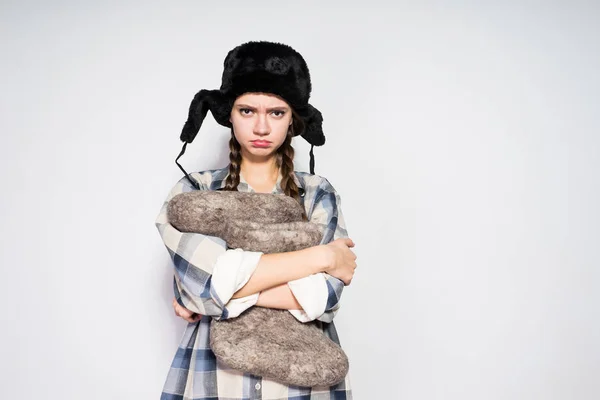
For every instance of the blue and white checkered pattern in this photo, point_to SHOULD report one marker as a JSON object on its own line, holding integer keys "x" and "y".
{"x": 195, "y": 374}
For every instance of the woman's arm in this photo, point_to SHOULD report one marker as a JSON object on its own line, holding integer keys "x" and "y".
{"x": 313, "y": 288}
{"x": 280, "y": 297}
{"x": 279, "y": 268}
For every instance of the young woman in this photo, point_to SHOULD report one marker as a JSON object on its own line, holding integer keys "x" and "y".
{"x": 264, "y": 100}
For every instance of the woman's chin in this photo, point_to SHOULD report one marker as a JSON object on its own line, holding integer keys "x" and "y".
{"x": 260, "y": 152}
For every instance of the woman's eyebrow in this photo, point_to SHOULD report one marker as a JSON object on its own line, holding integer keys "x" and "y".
{"x": 268, "y": 109}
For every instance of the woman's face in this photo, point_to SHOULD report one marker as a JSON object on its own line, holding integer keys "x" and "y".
{"x": 260, "y": 123}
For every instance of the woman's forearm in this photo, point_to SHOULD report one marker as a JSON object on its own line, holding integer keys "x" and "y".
{"x": 278, "y": 268}
{"x": 280, "y": 297}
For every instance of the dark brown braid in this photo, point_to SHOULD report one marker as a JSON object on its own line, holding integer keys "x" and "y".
{"x": 284, "y": 161}
{"x": 235, "y": 164}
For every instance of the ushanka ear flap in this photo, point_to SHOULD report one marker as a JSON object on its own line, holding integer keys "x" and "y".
{"x": 313, "y": 131}
{"x": 203, "y": 101}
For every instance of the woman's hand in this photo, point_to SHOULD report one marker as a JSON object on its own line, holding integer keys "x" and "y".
{"x": 342, "y": 260}
{"x": 185, "y": 313}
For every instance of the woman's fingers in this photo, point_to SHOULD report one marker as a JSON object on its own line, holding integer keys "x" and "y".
{"x": 181, "y": 311}
{"x": 184, "y": 313}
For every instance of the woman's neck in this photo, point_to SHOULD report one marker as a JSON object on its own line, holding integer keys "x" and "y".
{"x": 260, "y": 175}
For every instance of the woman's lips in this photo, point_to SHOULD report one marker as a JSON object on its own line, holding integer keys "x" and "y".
{"x": 261, "y": 143}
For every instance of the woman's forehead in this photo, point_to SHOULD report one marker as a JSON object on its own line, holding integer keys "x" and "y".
{"x": 261, "y": 99}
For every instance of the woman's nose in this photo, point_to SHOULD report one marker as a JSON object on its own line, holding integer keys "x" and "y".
{"x": 262, "y": 125}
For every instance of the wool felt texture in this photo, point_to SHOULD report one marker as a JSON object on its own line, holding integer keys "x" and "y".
{"x": 265, "y": 342}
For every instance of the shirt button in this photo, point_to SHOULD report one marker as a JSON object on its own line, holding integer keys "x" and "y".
{"x": 257, "y": 386}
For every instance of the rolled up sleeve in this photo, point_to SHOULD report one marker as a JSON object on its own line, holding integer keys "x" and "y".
{"x": 231, "y": 272}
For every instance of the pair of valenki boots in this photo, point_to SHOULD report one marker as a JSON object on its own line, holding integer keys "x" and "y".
{"x": 261, "y": 341}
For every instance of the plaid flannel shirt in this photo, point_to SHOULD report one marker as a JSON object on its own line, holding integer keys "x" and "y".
{"x": 195, "y": 374}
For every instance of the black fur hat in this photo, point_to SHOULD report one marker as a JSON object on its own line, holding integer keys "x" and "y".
{"x": 266, "y": 67}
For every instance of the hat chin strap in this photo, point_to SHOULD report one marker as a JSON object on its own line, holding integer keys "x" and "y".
{"x": 312, "y": 160}
{"x": 189, "y": 178}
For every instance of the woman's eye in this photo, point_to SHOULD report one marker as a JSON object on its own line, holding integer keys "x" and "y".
{"x": 247, "y": 111}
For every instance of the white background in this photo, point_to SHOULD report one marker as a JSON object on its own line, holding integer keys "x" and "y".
{"x": 462, "y": 137}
